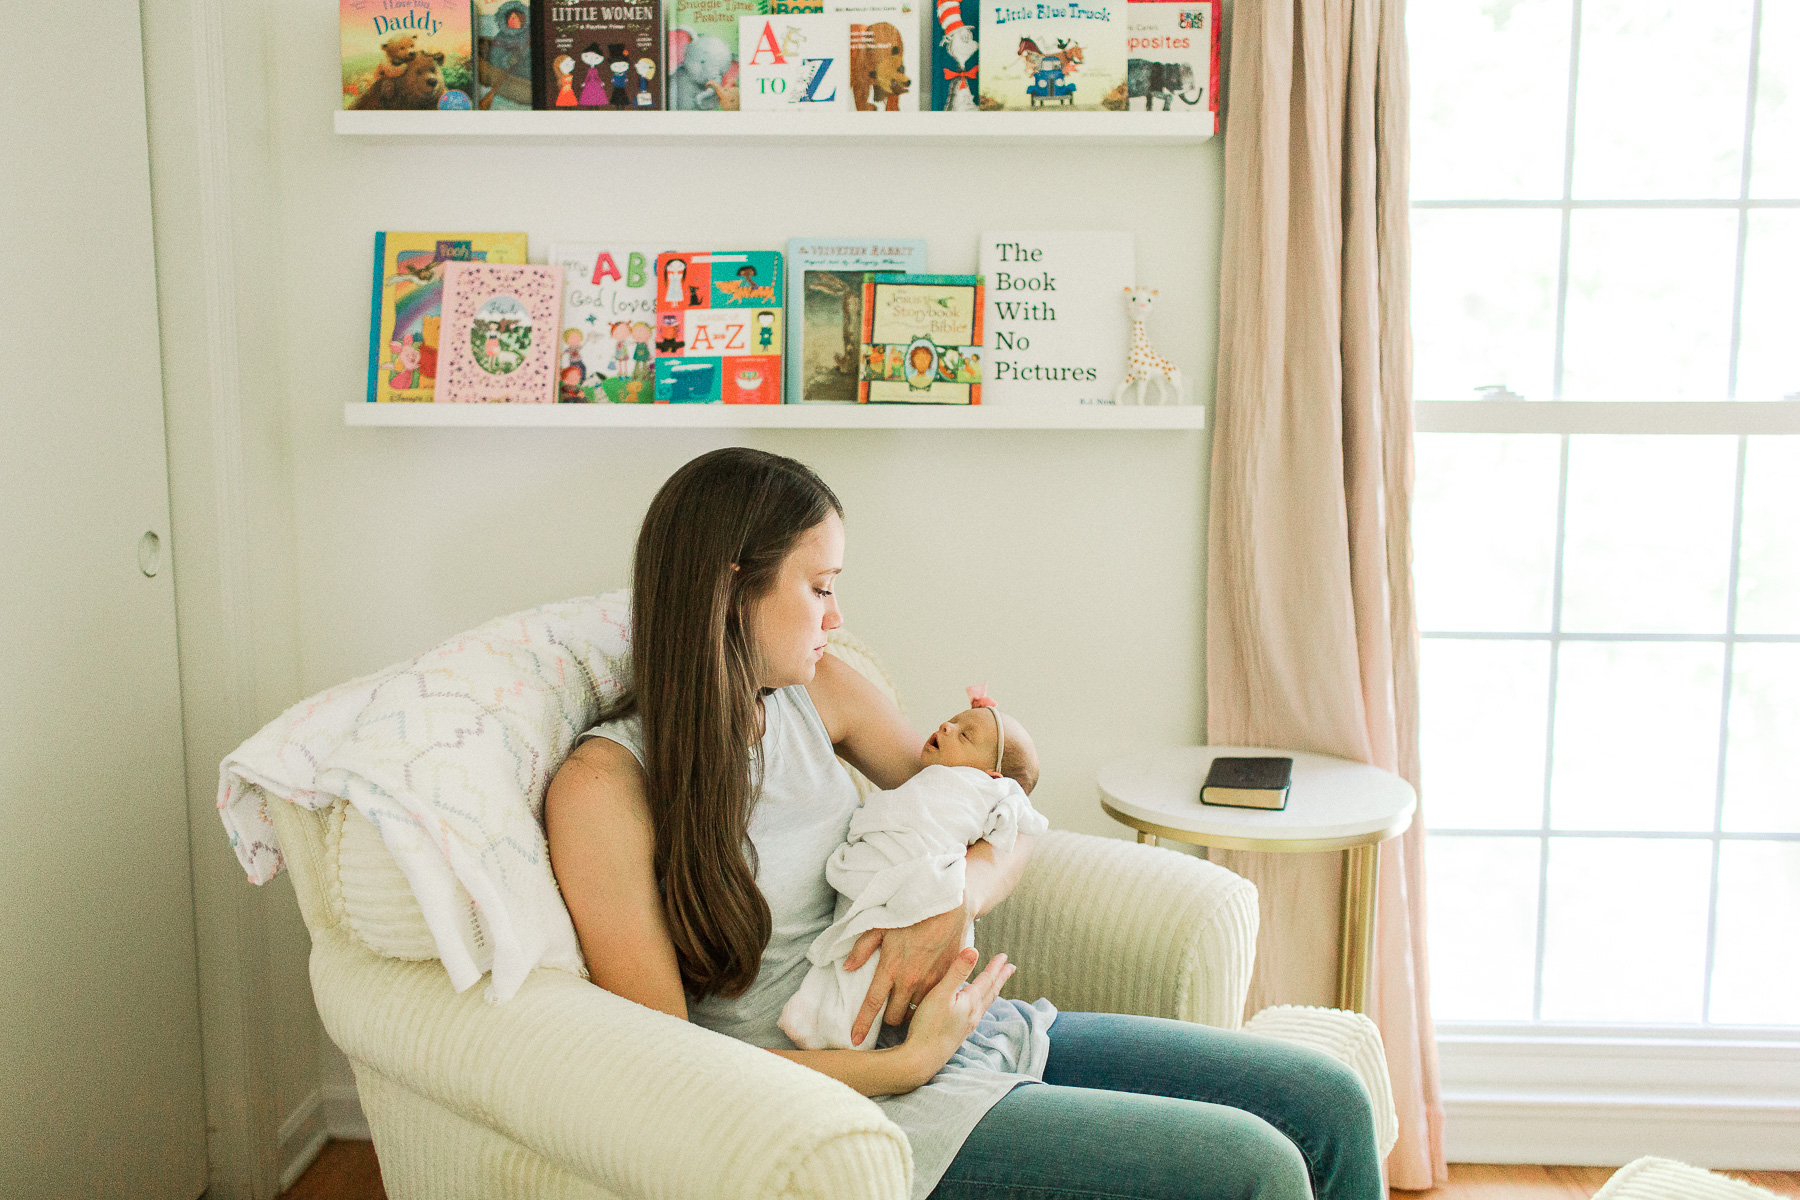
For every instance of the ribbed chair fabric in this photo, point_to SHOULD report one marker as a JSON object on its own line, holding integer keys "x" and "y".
{"x": 1666, "y": 1179}
{"x": 1349, "y": 1037}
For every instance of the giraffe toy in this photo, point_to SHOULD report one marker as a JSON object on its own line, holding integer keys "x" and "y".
{"x": 1147, "y": 367}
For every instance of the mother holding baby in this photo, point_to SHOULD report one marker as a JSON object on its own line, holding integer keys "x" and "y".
{"x": 690, "y": 829}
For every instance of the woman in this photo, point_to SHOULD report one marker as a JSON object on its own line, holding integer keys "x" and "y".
{"x": 689, "y": 836}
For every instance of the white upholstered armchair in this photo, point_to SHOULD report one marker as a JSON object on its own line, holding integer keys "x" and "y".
{"x": 565, "y": 1090}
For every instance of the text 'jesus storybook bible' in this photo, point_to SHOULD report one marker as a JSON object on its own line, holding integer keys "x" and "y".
{"x": 921, "y": 341}
{"x": 1248, "y": 783}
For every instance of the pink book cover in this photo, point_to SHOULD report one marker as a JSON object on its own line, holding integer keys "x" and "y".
{"x": 499, "y": 335}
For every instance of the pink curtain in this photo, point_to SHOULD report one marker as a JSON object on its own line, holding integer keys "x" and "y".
{"x": 1312, "y": 642}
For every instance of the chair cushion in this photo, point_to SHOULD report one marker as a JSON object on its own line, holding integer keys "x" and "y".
{"x": 1666, "y": 1179}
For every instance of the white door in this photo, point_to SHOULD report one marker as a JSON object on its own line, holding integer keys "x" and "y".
{"x": 100, "y": 1092}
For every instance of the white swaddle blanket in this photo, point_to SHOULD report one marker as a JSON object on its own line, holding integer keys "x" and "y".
{"x": 902, "y": 861}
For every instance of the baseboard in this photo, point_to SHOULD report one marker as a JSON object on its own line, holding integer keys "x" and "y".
{"x": 1607, "y": 1131}
{"x": 299, "y": 1140}
{"x": 343, "y": 1113}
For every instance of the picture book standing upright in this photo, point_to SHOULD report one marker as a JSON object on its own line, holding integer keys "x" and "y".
{"x": 598, "y": 56}
{"x": 1053, "y": 56}
{"x": 407, "y": 53}
{"x": 503, "y": 55}
{"x": 500, "y": 333}
{"x": 921, "y": 341}
{"x": 884, "y": 54}
{"x": 795, "y": 62}
{"x": 825, "y": 299}
{"x": 1058, "y": 332}
{"x": 718, "y": 327}
{"x": 1172, "y": 63}
{"x": 703, "y": 54}
{"x": 608, "y": 323}
{"x": 956, "y": 56}
{"x": 407, "y": 302}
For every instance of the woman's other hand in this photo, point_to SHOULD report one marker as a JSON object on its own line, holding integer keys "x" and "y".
{"x": 913, "y": 961}
{"x": 950, "y": 1011}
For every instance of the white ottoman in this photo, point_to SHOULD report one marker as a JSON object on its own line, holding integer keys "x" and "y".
{"x": 1666, "y": 1179}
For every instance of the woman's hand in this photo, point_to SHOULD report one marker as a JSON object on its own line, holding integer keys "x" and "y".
{"x": 950, "y": 1011}
{"x": 913, "y": 961}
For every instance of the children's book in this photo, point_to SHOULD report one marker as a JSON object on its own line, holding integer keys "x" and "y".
{"x": 407, "y": 53}
{"x": 608, "y": 322}
{"x": 703, "y": 54}
{"x": 598, "y": 56}
{"x": 407, "y": 301}
{"x": 500, "y": 334}
{"x": 921, "y": 339}
{"x": 825, "y": 299}
{"x": 1057, "y": 328}
{"x": 956, "y": 56}
{"x": 794, "y": 62}
{"x": 884, "y": 56}
{"x": 1053, "y": 55}
{"x": 773, "y": 8}
{"x": 1172, "y": 58}
{"x": 503, "y": 55}
{"x": 718, "y": 327}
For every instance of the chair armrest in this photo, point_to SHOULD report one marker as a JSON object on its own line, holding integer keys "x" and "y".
{"x": 638, "y": 1102}
{"x": 1102, "y": 925}
{"x": 1349, "y": 1037}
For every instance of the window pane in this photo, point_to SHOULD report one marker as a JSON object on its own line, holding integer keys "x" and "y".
{"x": 1756, "y": 954}
{"x": 1464, "y": 54}
{"x": 1762, "y": 749}
{"x": 1625, "y": 930}
{"x": 1483, "y": 302}
{"x": 1648, "y": 540}
{"x": 1769, "y": 556}
{"x": 1769, "y": 344}
{"x": 1659, "y": 109}
{"x": 1484, "y": 530}
{"x": 1483, "y": 711}
{"x": 1637, "y": 735}
{"x": 1649, "y": 308}
{"x": 1775, "y": 162}
{"x": 1483, "y": 928}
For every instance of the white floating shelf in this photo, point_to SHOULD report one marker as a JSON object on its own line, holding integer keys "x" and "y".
{"x": 1144, "y": 129}
{"x": 780, "y": 416}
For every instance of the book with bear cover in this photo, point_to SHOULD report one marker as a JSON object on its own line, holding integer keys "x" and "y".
{"x": 824, "y": 309}
{"x": 500, "y": 333}
{"x": 1053, "y": 55}
{"x": 407, "y": 300}
{"x": 794, "y": 62}
{"x": 718, "y": 327}
{"x": 503, "y": 55}
{"x": 956, "y": 56}
{"x": 884, "y": 57}
{"x": 921, "y": 339}
{"x": 1172, "y": 58}
{"x": 608, "y": 323}
{"x": 598, "y": 56}
{"x": 406, "y": 54}
{"x": 703, "y": 54}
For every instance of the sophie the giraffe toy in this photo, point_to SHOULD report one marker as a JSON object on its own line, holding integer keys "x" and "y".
{"x": 1147, "y": 367}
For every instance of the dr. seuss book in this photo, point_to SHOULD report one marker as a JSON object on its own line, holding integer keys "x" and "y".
{"x": 1172, "y": 57}
{"x": 921, "y": 339}
{"x": 825, "y": 298}
{"x": 500, "y": 334}
{"x": 407, "y": 299}
{"x": 884, "y": 58}
{"x": 703, "y": 54}
{"x": 955, "y": 56}
{"x": 503, "y": 54}
{"x": 1057, "y": 328}
{"x": 1053, "y": 55}
{"x": 406, "y": 53}
{"x": 718, "y": 327}
{"x": 598, "y": 55}
{"x": 609, "y": 320}
{"x": 794, "y": 62}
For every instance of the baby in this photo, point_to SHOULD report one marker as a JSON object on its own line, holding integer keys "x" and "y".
{"x": 903, "y": 858}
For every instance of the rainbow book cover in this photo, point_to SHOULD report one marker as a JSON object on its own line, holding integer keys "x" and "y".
{"x": 503, "y": 55}
{"x": 599, "y": 56}
{"x": 825, "y": 298}
{"x": 501, "y": 323}
{"x": 1053, "y": 55}
{"x": 406, "y": 305}
{"x": 1172, "y": 58}
{"x": 718, "y": 327}
{"x": 608, "y": 321}
{"x": 407, "y": 53}
{"x": 921, "y": 339}
{"x": 703, "y": 54}
{"x": 956, "y": 56}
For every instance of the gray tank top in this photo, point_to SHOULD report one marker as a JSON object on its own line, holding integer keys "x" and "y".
{"x": 802, "y": 814}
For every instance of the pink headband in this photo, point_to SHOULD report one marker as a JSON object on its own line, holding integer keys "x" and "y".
{"x": 978, "y": 698}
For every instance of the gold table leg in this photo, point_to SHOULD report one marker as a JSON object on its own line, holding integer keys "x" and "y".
{"x": 1146, "y": 839}
{"x": 1356, "y": 938}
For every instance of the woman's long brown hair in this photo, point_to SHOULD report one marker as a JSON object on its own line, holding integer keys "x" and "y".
{"x": 694, "y": 685}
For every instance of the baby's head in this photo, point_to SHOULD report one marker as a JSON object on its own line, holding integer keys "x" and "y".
{"x": 988, "y": 740}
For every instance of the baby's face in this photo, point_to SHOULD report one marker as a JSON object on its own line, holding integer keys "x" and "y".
{"x": 965, "y": 740}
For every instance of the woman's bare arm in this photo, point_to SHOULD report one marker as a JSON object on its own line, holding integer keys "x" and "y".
{"x": 865, "y": 726}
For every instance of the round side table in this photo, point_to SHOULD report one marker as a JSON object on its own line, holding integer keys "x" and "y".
{"x": 1333, "y": 804}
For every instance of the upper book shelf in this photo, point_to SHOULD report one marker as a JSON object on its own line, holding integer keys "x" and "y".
{"x": 1123, "y": 128}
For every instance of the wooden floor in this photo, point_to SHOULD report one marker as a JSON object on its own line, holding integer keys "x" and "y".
{"x": 347, "y": 1171}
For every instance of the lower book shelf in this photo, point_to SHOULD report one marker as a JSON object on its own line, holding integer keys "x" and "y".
{"x": 782, "y": 416}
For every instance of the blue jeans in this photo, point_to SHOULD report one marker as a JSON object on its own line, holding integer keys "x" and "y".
{"x": 1140, "y": 1108}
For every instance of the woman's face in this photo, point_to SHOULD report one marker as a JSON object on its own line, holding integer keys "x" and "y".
{"x": 789, "y": 624}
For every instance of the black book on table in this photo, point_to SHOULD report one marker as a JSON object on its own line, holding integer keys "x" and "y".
{"x": 1248, "y": 782}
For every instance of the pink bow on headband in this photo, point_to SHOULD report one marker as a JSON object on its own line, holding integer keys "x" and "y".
{"x": 979, "y": 698}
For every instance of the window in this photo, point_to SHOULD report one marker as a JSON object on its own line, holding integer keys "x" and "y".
{"x": 1606, "y": 240}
